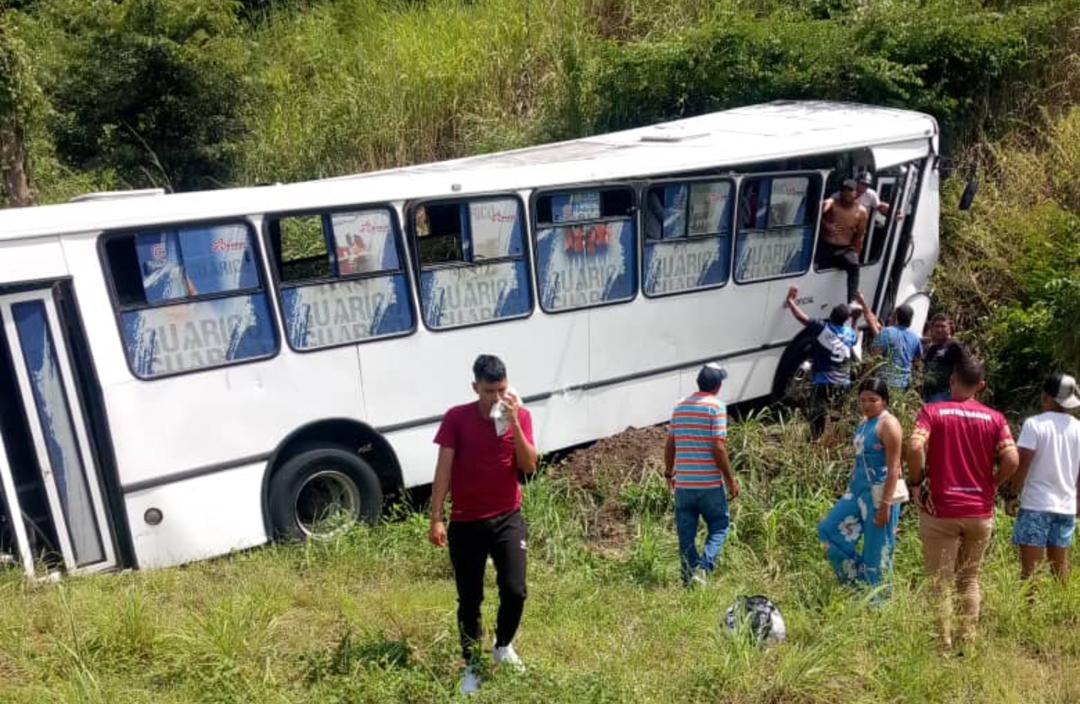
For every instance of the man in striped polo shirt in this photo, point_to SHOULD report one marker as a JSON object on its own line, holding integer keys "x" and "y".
{"x": 698, "y": 470}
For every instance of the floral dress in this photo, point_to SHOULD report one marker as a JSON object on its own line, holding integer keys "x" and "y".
{"x": 852, "y": 518}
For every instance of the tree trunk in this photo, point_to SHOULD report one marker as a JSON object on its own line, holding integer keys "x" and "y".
{"x": 13, "y": 165}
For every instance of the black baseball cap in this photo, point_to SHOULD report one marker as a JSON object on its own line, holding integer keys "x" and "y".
{"x": 711, "y": 376}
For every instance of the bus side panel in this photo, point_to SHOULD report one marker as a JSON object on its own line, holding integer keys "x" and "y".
{"x": 31, "y": 260}
{"x": 225, "y": 415}
{"x": 543, "y": 354}
{"x": 655, "y": 333}
{"x": 200, "y": 518}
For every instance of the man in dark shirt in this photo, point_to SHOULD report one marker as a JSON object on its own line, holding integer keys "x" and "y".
{"x": 834, "y": 339}
{"x": 939, "y": 359}
{"x": 482, "y": 447}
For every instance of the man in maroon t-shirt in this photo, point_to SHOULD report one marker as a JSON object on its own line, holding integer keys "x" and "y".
{"x": 960, "y": 441}
{"x": 482, "y": 447}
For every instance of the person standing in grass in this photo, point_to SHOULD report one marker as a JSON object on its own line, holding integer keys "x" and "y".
{"x": 867, "y": 510}
{"x": 699, "y": 472}
{"x": 834, "y": 339}
{"x": 939, "y": 359}
{"x": 1049, "y": 475}
{"x": 483, "y": 446}
{"x": 960, "y": 441}
{"x": 898, "y": 344}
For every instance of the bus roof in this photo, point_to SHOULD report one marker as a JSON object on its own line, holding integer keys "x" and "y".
{"x": 729, "y": 138}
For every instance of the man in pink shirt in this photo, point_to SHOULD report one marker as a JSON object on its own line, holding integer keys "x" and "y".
{"x": 959, "y": 441}
{"x": 478, "y": 467}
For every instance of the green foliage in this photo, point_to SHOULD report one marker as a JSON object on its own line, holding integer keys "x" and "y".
{"x": 199, "y": 93}
{"x": 150, "y": 91}
{"x": 954, "y": 60}
{"x": 1013, "y": 261}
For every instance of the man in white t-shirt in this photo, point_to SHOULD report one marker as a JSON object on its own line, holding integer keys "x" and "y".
{"x": 1050, "y": 476}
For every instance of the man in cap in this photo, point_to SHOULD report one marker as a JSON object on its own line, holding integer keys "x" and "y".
{"x": 844, "y": 222}
{"x": 698, "y": 470}
{"x": 1049, "y": 474}
{"x": 867, "y": 196}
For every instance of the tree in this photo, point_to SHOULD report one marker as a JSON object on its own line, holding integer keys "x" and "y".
{"x": 20, "y": 105}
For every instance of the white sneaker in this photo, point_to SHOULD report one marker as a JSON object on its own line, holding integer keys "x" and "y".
{"x": 470, "y": 683}
{"x": 508, "y": 655}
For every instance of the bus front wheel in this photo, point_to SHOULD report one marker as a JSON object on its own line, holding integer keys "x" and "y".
{"x": 322, "y": 491}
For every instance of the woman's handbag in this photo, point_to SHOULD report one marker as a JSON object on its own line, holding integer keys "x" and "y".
{"x": 900, "y": 493}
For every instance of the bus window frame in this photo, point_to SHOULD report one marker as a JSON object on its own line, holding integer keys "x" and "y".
{"x": 325, "y": 213}
{"x": 118, "y": 309}
{"x": 898, "y": 181}
{"x": 815, "y": 232}
{"x": 634, "y": 217}
{"x": 418, "y": 267}
{"x": 644, "y": 241}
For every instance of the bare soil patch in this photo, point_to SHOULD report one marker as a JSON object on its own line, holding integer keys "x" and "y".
{"x": 602, "y": 471}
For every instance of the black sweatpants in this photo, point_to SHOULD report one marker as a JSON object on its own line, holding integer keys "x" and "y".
{"x": 471, "y": 542}
{"x": 845, "y": 258}
{"x": 823, "y": 404}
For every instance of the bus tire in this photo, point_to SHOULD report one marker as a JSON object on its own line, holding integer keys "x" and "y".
{"x": 792, "y": 384}
{"x": 319, "y": 492}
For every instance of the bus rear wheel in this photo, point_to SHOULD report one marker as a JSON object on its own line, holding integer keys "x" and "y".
{"x": 320, "y": 492}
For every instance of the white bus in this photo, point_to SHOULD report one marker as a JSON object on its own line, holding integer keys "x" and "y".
{"x": 186, "y": 375}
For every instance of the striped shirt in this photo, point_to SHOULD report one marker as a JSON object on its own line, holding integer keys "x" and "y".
{"x": 696, "y": 424}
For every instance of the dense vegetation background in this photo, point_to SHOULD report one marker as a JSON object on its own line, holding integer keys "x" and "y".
{"x": 195, "y": 94}
{"x": 192, "y": 94}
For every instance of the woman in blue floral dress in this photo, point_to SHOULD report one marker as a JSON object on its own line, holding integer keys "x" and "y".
{"x": 867, "y": 511}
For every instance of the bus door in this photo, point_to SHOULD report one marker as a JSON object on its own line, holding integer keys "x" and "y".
{"x": 892, "y": 187}
{"x": 898, "y": 188}
{"x": 54, "y": 510}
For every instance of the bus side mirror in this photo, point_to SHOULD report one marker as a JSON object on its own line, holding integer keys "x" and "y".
{"x": 970, "y": 190}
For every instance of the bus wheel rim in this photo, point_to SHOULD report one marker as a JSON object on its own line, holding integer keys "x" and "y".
{"x": 326, "y": 496}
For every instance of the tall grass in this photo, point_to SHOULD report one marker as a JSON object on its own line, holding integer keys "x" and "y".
{"x": 370, "y": 615}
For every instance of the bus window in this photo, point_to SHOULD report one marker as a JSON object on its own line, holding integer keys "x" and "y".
{"x": 586, "y": 248}
{"x": 687, "y": 236}
{"x": 189, "y": 298}
{"x": 342, "y": 279}
{"x": 775, "y": 235}
{"x": 472, "y": 261}
{"x": 303, "y": 250}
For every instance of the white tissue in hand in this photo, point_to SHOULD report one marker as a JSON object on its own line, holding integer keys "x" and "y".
{"x": 500, "y": 413}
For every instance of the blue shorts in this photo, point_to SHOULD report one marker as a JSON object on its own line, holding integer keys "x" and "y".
{"x": 1042, "y": 529}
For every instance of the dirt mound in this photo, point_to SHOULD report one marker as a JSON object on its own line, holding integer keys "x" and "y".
{"x": 611, "y": 463}
{"x": 603, "y": 471}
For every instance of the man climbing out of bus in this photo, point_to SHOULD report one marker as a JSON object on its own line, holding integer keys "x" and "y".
{"x": 844, "y": 224}
{"x": 897, "y": 343}
{"x": 697, "y": 468}
{"x": 939, "y": 359}
{"x": 830, "y": 359}
{"x": 955, "y": 445}
{"x": 483, "y": 445}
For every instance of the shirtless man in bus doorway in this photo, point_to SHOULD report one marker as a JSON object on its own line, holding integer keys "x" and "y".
{"x": 844, "y": 222}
